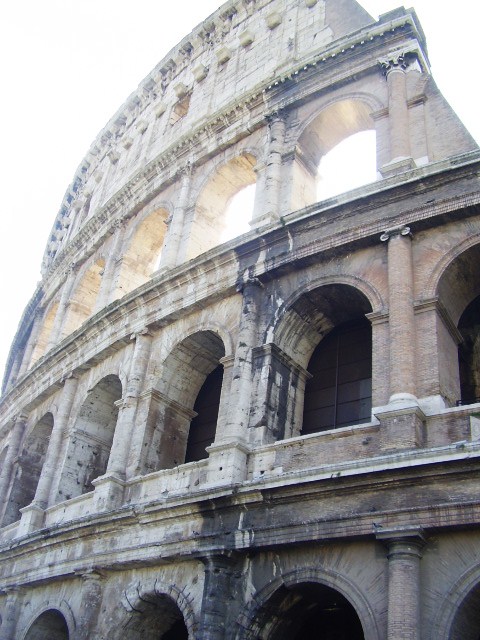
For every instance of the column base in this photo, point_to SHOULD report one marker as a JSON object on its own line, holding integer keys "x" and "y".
{"x": 396, "y": 166}
{"x": 109, "y": 492}
{"x": 402, "y": 424}
{"x": 227, "y": 464}
{"x": 32, "y": 519}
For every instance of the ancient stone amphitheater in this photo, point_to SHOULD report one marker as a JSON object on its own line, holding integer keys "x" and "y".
{"x": 271, "y": 437}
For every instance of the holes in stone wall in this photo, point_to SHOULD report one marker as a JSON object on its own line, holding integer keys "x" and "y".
{"x": 28, "y": 468}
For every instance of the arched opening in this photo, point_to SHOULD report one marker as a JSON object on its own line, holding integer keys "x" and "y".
{"x": 50, "y": 625}
{"x": 156, "y": 617}
{"x": 469, "y": 353}
{"x": 328, "y": 343}
{"x": 82, "y": 302}
{"x": 184, "y": 414}
{"x": 28, "y": 468}
{"x": 209, "y": 224}
{"x": 458, "y": 352}
{"x": 239, "y": 213}
{"x": 45, "y": 334}
{"x": 309, "y": 610}
{"x": 334, "y": 127}
{"x": 204, "y": 424}
{"x": 142, "y": 256}
{"x": 350, "y": 164}
{"x": 91, "y": 440}
{"x": 339, "y": 393}
{"x": 466, "y": 623}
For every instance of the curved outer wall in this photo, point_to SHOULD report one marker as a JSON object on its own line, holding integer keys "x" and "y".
{"x": 126, "y": 509}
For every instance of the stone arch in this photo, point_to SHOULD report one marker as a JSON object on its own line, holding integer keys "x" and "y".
{"x": 180, "y": 432}
{"x": 459, "y": 611}
{"x": 83, "y": 298}
{"x": 142, "y": 252}
{"x": 458, "y": 335}
{"x": 307, "y": 398}
{"x": 91, "y": 438}
{"x": 45, "y": 334}
{"x": 28, "y": 468}
{"x": 51, "y": 624}
{"x": 160, "y": 612}
{"x": 336, "y": 120}
{"x": 279, "y": 330}
{"x": 220, "y": 187}
{"x": 266, "y": 613}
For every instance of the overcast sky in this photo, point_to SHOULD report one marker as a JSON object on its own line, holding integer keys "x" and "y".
{"x": 68, "y": 65}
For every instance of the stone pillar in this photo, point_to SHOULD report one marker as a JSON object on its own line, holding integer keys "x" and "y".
{"x": 10, "y": 613}
{"x": 91, "y": 599}
{"x": 277, "y": 399}
{"x": 404, "y": 551}
{"x": 400, "y": 153}
{"x": 56, "y": 333}
{"x": 272, "y": 178}
{"x": 33, "y": 514}
{"x": 107, "y": 289}
{"x": 109, "y": 488}
{"x": 171, "y": 254}
{"x": 401, "y": 315}
{"x": 217, "y": 596}
{"x": 13, "y": 451}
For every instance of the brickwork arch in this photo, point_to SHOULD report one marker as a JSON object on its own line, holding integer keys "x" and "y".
{"x": 259, "y": 611}
{"x": 458, "y": 613}
{"x": 284, "y": 330}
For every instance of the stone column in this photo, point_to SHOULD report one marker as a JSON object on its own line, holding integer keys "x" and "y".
{"x": 227, "y": 458}
{"x": 272, "y": 178}
{"x": 91, "y": 599}
{"x": 13, "y": 451}
{"x": 400, "y": 153}
{"x": 107, "y": 290}
{"x": 217, "y": 596}
{"x": 171, "y": 254}
{"x": 404, "y": 551}
{"x": 109, "y": 488}
{"x": 33, "y": 514}
{"x": 56, "y": 333}
{"x": 11, "y": 611}
{"x": 401, "y": 314}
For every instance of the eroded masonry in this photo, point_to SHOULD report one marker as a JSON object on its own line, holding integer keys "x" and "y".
{"x": 275, "y": 436}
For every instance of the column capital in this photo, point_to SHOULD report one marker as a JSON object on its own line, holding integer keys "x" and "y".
{"x": 279, "y": 115}
{"x": 402, "y": 230}
{"x": 247, "y": 282}
{"x": 406, "y": 59}
{"x": 407, "y": 541}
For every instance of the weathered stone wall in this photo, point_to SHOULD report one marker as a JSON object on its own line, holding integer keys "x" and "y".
{"x": 105, "y": 531}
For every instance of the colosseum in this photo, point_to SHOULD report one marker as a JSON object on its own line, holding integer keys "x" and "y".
{"x": 276, "y": 435}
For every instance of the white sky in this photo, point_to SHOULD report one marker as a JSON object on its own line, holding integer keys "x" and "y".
{"x": 68, "y": 65}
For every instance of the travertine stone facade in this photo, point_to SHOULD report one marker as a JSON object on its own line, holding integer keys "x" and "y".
{"x": 274, "y": 434}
